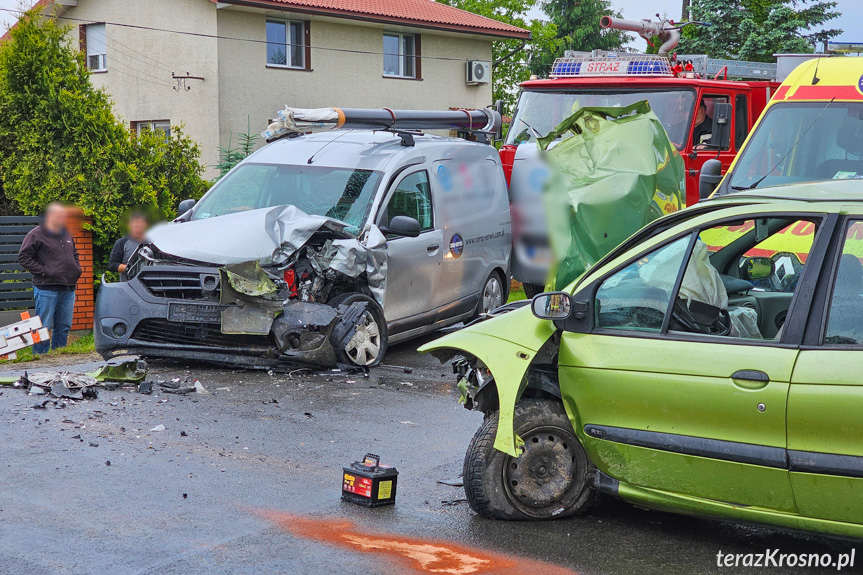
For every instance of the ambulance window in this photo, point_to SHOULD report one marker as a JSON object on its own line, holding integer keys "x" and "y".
{"x": 741, "y": 120}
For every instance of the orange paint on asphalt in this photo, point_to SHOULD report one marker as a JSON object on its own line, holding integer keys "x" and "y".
{"x": 422, "y": 556}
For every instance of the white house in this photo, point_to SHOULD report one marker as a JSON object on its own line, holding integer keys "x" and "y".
{"x": 219, "y": 68}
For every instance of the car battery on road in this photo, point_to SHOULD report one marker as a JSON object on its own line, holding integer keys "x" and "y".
{"x": 369, "y": 483}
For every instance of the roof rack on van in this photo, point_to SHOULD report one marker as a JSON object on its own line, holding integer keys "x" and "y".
{"x": 295, "y": 121}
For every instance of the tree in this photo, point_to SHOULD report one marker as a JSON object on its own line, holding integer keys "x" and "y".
{"x": 577, "y": 23}
{"x": 60, "y": 140}
{"x": 511, "y": 57}
{"x": 231, "y": 155}
{"x": 757, "y": 29}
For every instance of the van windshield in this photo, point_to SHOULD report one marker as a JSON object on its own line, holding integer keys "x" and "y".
{"x": 541, "y": 112}
{"x": 341, "y": 193}
{"x": 803, "y": 142}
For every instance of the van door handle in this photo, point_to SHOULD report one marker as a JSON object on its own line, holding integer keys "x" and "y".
{"x": 432, "y": 249}
{"x": 750, "y": 379}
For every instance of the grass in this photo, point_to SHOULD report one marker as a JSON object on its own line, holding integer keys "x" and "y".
{"x": 516, "y": 295}
{"x": 76, "y": 346}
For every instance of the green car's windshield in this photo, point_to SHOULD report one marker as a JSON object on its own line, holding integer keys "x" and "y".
{"x": 341, "y": 193}
{"x": 540, "y": 112}
{"x": 803, "y": 142}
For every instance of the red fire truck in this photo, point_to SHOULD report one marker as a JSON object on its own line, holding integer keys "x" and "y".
{"x": 682, "y": 92}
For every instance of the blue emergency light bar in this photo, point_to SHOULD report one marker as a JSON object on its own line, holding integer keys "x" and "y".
{"x": 597, "y": 63}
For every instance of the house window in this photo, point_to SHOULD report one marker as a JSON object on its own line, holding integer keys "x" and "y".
{"x": 163, "y": 126}
{"x": 401, "y": 55}
{"x": 96, "y": 47}
{"x": 286, "y": 44}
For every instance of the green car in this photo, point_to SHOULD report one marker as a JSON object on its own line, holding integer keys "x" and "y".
{"x": 712, "y": 364}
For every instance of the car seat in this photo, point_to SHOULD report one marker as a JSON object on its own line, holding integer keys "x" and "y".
{"x": 849, "y": 137}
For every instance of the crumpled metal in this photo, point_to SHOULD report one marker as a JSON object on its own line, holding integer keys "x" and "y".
{"x": 271, "y": 236}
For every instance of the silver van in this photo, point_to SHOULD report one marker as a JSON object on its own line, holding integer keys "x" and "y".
{"x": 319, "y": 250}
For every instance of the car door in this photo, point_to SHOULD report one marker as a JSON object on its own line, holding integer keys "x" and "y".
{"x": 825, "y": 425}
{"x": 699, "y": 154}
{"x": 413, "y": 264}
{"x": 663, "y": 406}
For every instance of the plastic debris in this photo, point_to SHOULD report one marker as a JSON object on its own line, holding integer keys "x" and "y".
{"x": 200, "y": 388}
{"x": 159, "y": 427}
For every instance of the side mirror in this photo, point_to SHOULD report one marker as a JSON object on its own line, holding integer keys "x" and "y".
{"x": 498, "y": 107}
{"x": 721, "y": 131}
{"x": 711, "y": 175}
{"x": 552, "y": 305}
{"x": 185, "y": 206}
{"x": 404, "y": 226}
{"x": 756, "y": 268}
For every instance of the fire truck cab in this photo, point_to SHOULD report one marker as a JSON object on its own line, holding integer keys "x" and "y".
{"x": 685, "y": 102}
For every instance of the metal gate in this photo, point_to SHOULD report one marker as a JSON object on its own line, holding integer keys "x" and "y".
{"x": 16, "y": 285}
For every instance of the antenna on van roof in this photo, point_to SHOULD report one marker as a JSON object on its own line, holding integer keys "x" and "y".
{"x": 312, "y": 157}
{"x": 815, "y": 78}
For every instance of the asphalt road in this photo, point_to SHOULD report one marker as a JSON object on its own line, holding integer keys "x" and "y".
{"x": 246, "y": 479}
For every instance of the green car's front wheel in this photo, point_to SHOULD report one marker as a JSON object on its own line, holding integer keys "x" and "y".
{"x": 546, "y": 481}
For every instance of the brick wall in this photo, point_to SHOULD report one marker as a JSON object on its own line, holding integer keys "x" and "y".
{"x": 84, "y": 293}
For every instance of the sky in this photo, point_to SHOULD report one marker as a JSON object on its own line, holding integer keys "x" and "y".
{"x": 851, "y": 20}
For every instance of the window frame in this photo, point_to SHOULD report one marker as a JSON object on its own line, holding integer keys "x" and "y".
{"x": 797, "y": 314}
{"x": 304, "y": 45}
{"x": 138, "y": 125}
{"x": 720, "y": 99}
{"x": 383, "y": 217}
{"x": 741, "y": 120}
{"x": 415, "y": 44}
{"x": 86, "y": 45}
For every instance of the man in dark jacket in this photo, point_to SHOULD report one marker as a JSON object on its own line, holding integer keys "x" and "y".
{"x": 49, "y": 253}
{"x": 126, "y": 246}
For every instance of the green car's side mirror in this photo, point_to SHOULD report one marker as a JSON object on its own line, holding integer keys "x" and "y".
{"x": 552, "y": 305}
{"x": 756, "y": 268}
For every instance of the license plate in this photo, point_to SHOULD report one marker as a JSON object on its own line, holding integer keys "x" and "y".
{"x": 198, "y": 313}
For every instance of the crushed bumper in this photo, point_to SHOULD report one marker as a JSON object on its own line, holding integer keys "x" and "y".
{"x": 134, "y": 318}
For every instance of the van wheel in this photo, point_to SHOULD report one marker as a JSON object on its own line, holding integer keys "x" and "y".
{"x": 532, "y": 290}
{"x": 491, "y": 296}
{"x": 369, "y": 343}
{"x": 548, "y": 479}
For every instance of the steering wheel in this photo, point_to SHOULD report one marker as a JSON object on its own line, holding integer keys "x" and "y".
{"x": 684, "y": 318}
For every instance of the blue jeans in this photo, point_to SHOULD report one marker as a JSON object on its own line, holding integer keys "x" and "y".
{"x": 55, "y": 309}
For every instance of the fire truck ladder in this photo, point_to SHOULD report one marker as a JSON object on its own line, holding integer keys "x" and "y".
{"x": 716, "y": 68}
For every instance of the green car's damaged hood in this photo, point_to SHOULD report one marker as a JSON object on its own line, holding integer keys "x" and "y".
{"x": 494, "y": 343}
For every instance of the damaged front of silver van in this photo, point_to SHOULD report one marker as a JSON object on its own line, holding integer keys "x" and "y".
{"x": 256, "y": 288}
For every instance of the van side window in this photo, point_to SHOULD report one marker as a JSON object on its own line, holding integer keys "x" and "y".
{"x": 741, "y": 120}
{"x": 412, "y": 198}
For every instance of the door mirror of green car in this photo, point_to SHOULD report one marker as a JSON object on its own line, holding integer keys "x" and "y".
{"x": 552, "y": 305}
{"x": 756, "y": 268}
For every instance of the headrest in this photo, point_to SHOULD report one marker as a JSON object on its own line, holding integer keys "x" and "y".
{"x": 850, "y": 137}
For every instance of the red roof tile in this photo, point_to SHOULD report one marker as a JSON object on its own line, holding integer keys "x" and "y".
{"x": 421, "y": 13}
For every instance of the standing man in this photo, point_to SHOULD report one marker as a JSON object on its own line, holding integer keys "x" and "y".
{"x": 49, "y": 253}
{"x": 126, "y": 246}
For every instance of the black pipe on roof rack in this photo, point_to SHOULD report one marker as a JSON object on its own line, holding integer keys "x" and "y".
{"x": 481, "y": 120}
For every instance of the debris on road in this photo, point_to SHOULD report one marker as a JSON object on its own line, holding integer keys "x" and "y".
{"x": 159, "y": 427}
{"x": 456, "y": 482}
{"x": 200, "y": 388}
{"x": 78, "y": 386}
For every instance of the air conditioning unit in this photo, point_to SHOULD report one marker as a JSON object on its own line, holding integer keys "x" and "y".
{"x": 478, "y": 72}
